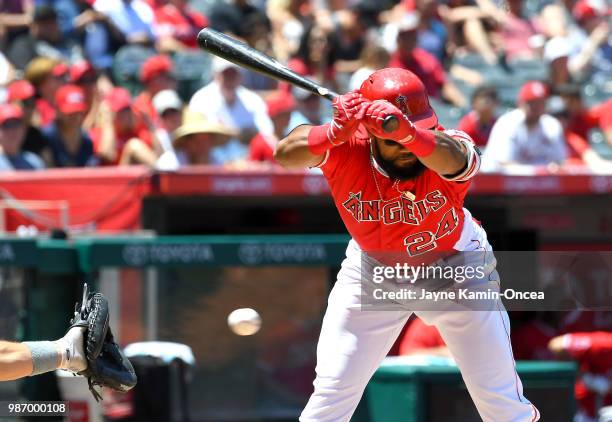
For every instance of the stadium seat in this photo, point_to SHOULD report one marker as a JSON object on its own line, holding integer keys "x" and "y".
{"x": 599, "y": 144}
{"x": 530, "y": 69}
{"x": 473, "y": 61}
{"x": 127, "y": 64}
{"x": 192, "y": 71}
{"x": 203, "y": 6}
{"x": 594, "y": 93}
{"x": 448, "y": 115}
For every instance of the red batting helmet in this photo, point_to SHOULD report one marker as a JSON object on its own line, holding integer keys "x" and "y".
{"x": 403, "y": 89}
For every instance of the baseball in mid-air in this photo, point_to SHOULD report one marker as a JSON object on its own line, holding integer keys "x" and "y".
{"x": 244, "y": 321}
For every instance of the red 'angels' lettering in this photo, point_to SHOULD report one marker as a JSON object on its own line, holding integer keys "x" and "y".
{"x": 353, "y": 205}
{"x": 392, "y": 212}
{"x": 370, "y": 210}
{"x": 398, "y": 210}
{"x": 418, "y": 243}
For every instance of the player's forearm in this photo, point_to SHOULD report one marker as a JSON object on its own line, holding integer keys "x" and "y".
{"x": 9, "y": 20}
{"x": 448, "y": 157}
{"x": 462, "y": 13}
{"x": 293, "y": 151}
{"x": 15, "y": 361}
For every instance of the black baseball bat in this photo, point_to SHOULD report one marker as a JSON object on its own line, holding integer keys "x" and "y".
{"x": 243, "y": 55}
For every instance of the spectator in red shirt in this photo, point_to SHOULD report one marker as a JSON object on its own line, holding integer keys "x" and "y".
{"x": 122, "y": 138}
{"x": 420, "y": 338}
{"x": 593, "y": 352}
{"x": 46, "y": 75}
{"x": 421, "y": 63}
{"x": 280, "y": 105}
{"x": 480, "y": 120}
{"x": 576, "y": 127}
{"x": 582, "y": 120}
{"x": 156, "y": 75}
{"x": 177, "y": 25}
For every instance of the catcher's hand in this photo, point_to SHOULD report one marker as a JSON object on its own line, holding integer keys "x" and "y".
{"x": 107, "y": 366}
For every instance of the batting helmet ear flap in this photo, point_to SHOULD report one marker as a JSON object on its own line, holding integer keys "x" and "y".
{"x": 403, "y": 89}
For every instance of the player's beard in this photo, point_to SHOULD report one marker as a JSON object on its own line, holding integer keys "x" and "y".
{"x": 398, "y": 172}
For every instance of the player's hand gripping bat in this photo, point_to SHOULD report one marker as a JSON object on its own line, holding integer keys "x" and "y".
{"x": 241, "y": 54}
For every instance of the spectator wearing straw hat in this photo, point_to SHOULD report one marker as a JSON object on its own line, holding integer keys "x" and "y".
{"x": 280, "y": 105}
{"x": 47, "y": 75}
{"x": 69, "y": 144}
{"x": 12, "y": 134}
{"x": 194, "y": 141}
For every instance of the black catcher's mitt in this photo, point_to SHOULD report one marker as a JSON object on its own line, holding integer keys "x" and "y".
{"x": 107, "y": 366}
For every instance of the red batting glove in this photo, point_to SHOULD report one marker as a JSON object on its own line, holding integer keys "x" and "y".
{"x": 375, "y": 114}
{"x": 348, "y": 112}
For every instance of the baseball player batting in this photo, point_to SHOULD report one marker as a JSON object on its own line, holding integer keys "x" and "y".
{"x": 401, "y": 192}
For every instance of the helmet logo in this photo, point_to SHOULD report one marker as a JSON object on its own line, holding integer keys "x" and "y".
{"x": 402, "y": 104}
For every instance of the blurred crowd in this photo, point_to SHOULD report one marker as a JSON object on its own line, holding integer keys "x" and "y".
{"x": 120, "y": 82}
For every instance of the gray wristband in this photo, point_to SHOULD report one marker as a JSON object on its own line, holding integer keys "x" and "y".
{"x": 44, "y": 356}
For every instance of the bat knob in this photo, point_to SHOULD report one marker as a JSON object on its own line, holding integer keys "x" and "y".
{"x": 390, "y": 124}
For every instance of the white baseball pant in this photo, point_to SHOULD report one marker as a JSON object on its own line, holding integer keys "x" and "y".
{"x": 353, "y": 342}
